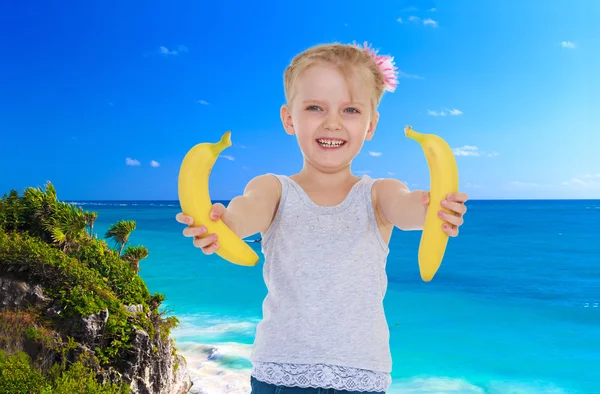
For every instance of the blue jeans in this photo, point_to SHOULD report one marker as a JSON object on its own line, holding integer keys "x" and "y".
{"x": 259, "y": 387}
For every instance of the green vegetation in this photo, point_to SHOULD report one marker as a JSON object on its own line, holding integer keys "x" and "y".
{"x": 52, "y": 243}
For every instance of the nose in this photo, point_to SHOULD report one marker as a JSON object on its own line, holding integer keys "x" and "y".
{"x": 333, "y": 123}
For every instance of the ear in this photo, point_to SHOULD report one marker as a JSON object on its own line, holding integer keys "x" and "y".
{"x": 286, "y": 119}
{"x": 372, "y": 126}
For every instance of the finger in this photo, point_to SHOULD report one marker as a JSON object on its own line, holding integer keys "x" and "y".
{"x": 456, "y": 207}
{"x": 459, "y": 197}
{"x": 194, "y": 231}
{"x": 203, "y": 242}
{"x": 217, "y": 211}
{"x": 425, "y": 198}
{"x": 452, "y": 231}
{"x": 212, "y": 248}
{"x": 181, "y": 218}
{"x": 455, "y": 220}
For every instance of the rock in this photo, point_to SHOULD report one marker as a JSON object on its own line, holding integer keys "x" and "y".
{"x": 16, "y": 294}
{"x": 134, "y": 308}
{"x": 92, "y": 326}
{"x": 150, "y": 367}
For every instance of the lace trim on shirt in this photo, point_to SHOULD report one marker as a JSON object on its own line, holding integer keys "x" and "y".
{"x": 321, "y": 375}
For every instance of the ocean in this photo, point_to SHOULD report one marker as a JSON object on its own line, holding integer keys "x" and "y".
{"x": 514, "y": 308}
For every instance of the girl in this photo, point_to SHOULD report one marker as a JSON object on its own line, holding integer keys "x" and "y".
{"x": 325, "y": 232}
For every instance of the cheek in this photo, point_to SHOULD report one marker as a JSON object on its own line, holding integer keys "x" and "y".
{"x": 357, "y": 126}
{"x": 306, "y": 124}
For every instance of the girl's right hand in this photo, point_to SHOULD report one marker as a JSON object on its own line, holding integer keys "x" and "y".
{"x": 207, "y": 243}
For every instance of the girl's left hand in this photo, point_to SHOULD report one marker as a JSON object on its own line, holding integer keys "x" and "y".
{"x": 455, "y": 203}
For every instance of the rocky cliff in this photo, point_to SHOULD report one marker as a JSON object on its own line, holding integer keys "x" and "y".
{"x": 75, "y": 309}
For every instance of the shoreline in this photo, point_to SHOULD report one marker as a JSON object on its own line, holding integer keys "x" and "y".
{"x": 207, "y": 371}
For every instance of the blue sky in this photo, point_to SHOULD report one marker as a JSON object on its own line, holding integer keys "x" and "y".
{"x": 88, "y": 90}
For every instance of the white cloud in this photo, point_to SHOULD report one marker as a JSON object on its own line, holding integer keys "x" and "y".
{"x": 444, "y": 112}
{"x": 227, "y": 157}
{"x": 426, "y": 22}
{"x": 391, "y": 173}
{"x": 578, "y": 181}
{"x": 474, "y": 151}
{"x": 436, "y": 113}
{"x": 402, "y": 74}
{"x": 399, "y": 20}
{"x": 163, "y": 50}
{"x": 363, "y": 171}
{"x": 132, "y": 162}
{"x": 154, "y": 163}
{"x": 203, "y": 102}
{"x": 467, "y": 150}
{"x": 567, "y": 44}
{"x": 575, "y": 182}
{"x": 433, "y": 10}
{"x": 430, "y": 22}
{"x": 376, "y": 154}
{"x": 591, "y": 180}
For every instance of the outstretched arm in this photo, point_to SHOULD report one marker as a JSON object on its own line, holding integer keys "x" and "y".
{"x": 248, "y": 214}
{"x": 253, "y": 211}
{"x": 407, "y": 210}
{"x": 399, "y": 206}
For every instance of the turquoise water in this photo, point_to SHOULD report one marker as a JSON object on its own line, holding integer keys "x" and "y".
{"x": 515, "y": 307}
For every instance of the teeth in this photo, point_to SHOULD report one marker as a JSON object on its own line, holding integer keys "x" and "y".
{"x": 330, "y": 143}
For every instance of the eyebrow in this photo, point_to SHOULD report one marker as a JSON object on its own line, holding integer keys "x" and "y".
{"x": 309, "y": 101}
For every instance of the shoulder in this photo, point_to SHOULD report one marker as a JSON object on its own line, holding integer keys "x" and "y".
{"x": 265, "y": 185}
{"x": 385, "y": 187}
{"x": 385, "y": 194}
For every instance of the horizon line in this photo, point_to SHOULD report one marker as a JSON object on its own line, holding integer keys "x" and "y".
{"x": 229, "y": 199}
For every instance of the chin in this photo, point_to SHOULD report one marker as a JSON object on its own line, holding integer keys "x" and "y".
{"x": 328, "y": 166}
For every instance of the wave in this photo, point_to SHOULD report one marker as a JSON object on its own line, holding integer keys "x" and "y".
{"x": 217, "y": 368}
{"x": 444, "y": 385}
{"x": 223, "y": 367}
{"x": 204, "y": 325}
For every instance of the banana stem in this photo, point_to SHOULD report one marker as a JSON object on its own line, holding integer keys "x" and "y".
{"x": 410, "y": 133}
{"x": 225, "y": 142}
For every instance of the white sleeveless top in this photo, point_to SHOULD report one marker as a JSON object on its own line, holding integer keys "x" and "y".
{"x": 323, "y": 319}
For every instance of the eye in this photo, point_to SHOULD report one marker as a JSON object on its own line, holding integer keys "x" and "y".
{"x": 313, "y": 108}
{"x": 353, "y": 110}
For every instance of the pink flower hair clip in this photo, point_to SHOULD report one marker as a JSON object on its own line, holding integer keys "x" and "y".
{"x": 386, "y": 65}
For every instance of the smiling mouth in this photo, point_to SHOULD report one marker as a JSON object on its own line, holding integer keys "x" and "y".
{"x": 330, "y": 143}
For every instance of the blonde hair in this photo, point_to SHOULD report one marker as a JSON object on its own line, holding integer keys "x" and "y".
{"x": 347, "y": 58}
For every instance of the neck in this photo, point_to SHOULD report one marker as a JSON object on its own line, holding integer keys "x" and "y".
{"x": 325, "y": 178}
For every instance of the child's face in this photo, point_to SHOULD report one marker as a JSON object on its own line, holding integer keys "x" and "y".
{"x": 329, "y": 127}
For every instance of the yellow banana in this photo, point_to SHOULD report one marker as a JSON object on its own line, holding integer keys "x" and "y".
{"x": 194, "y": 198}
{"x": 443, "y": 179}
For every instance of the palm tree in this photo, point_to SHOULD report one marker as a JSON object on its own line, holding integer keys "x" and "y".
{"x": 41, "y": 205}
{"x": 90, "y": 218}
{"x": 11, "y": 212}
{"x": 67, "y": 225}
{"x": 133, "y": 254}
{"x": 119, "y": 232}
